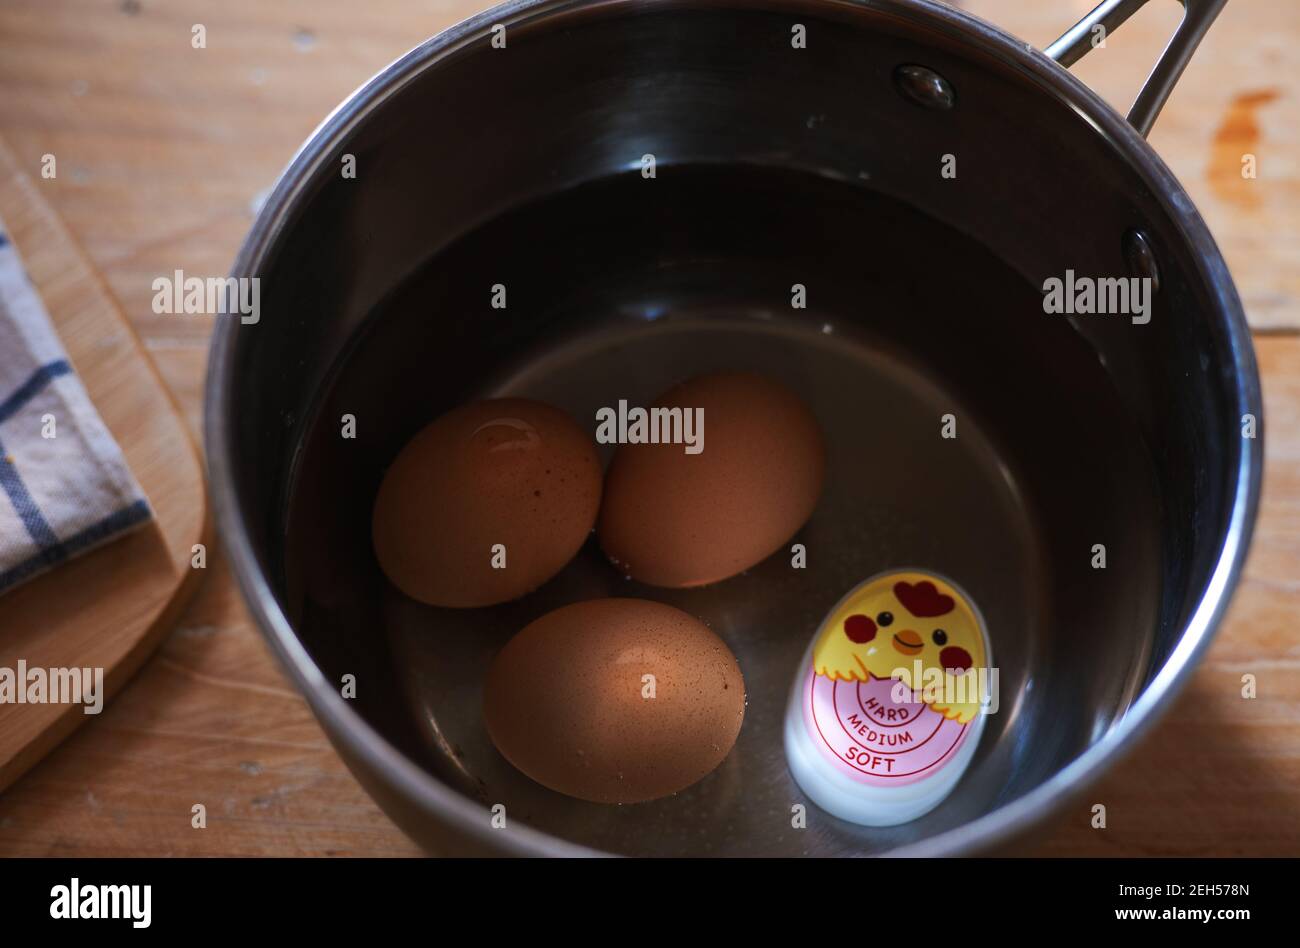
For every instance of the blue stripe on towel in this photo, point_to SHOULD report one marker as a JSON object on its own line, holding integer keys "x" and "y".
{"x": 30, "y": 514}
{"x": 95, "y": 533}
{"x": 27, "y": 391}
{"x": 10, "y": 480}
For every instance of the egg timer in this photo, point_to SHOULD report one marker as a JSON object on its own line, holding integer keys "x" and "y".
{"x": 890, "y": 698}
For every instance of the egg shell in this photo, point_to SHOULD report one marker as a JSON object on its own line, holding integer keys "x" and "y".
{"x": 505, "y": 471}
{"x": 675, "y": 519}
{"x": 566, "y": 700}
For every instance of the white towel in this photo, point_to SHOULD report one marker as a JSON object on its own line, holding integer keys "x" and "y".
{"x": 64, "y": 485}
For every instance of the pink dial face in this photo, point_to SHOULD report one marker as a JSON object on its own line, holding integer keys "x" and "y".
{"x": 874, "y": 737}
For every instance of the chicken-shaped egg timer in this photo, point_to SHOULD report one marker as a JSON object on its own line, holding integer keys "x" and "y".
{"x": 886, "y": 709}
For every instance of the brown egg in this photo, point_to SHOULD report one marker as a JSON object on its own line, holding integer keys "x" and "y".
{"x": 569, "y": 703}
{"x": 505, "y": 481}
{"x": 670, "y": 518}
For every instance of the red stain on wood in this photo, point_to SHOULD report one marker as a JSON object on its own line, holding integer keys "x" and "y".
{"x": 1236, "y": 137}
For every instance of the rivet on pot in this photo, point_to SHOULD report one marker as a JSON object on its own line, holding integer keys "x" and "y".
{"x": 1141, "y": 258}
{"x": 925, "y": 87}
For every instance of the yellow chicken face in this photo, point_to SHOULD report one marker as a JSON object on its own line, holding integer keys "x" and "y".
{"x": 897, "y": 619}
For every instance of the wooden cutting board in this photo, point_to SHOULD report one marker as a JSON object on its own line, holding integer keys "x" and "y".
{"x": 110, "y": 607}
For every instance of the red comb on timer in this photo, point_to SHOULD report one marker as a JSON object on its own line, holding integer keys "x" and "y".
{"x": 923, "y": 599}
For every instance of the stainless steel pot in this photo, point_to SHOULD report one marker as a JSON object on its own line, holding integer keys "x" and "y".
{"x": 774, "y": 165}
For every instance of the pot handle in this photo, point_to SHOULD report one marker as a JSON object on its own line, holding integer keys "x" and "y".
{"x": 1109, "y": 15}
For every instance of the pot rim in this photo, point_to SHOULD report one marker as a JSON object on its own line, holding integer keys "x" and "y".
{"x": 358, "y": 740}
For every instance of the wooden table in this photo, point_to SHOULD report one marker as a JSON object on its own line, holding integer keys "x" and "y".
{"x": 162, "y": 153}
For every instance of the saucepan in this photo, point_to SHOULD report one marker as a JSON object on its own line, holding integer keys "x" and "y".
{"x": 657, "y": 181}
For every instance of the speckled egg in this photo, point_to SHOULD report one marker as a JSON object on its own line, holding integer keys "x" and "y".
{"x": 615, "y": 700}
{"x": 486, "y": 503}
{"x": 673, "y": 518}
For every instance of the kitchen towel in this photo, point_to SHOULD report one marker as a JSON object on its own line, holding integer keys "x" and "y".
{"x": 64, "y": 485}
